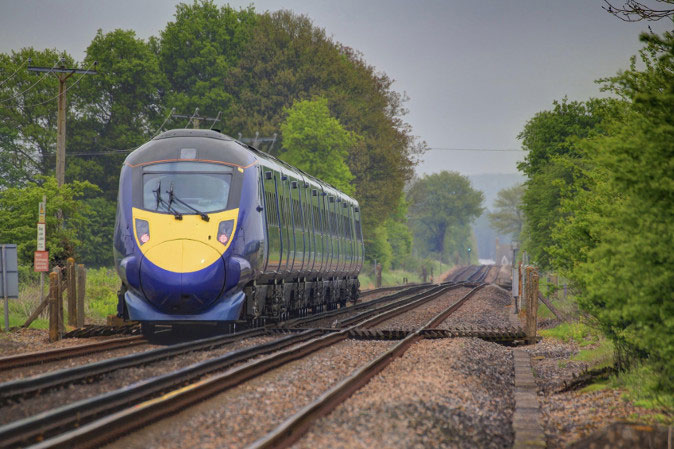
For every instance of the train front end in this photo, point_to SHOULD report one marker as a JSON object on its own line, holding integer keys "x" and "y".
{"x": 178, "y": 236}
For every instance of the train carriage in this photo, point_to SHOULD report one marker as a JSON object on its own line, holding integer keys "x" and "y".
{"x": 209, "y": 229}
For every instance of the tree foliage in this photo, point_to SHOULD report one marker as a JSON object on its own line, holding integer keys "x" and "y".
{"x": 19, "y": 209}
{"x": 28, "y": 116}
{"x": 316, "y": 142}
{"x": 116, "y": 109}
{"x": 198, "y": 50}
{"x": 613, "y": 236}
{"x": 250, "y": 67}
{"x": 442, "y": 208}
{"x": 508, "y": 216}
{"x": 551, "y": 141}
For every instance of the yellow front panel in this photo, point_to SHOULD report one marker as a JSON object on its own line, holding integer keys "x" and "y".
{"x": 183, "y": 246}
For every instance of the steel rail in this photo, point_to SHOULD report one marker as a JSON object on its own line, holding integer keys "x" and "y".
{"x": 364, "y": 305}
{"x": 12, "y": 390}
{"x": 456, "y": 276}
{"x": 294, "y": 427}
{"x": 39, "y": 357}
{"x": 391, "y": 288}
{"x": 73, "y": 415}
{"x": 23, "y": 387}
{"x": 477, "y": 271}
{"x": 112, "y": 419}
{"x": 393, "y": 310}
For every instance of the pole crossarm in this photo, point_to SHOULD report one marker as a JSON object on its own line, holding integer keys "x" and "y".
{"x": 62, "y": 70}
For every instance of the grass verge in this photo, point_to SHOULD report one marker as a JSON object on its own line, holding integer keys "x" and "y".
{"x": 100, "y": 300}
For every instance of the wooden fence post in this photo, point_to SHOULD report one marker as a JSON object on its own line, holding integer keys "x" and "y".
{"x": 59, "y": 299}
{"x": 53, "y": 307}
{"x": 72, "y": 292}
{"x": 81, "y": 289}
{"x": 532, "y": 303}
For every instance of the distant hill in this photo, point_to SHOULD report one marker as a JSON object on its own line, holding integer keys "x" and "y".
{"x": 490, "y": 184}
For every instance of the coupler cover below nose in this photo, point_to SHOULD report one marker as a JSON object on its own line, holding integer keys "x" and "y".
{"x": 185, "y": 290}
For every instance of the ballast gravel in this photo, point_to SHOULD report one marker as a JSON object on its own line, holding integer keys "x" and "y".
{"x": 449, "y": 393}
{"x": 488, "y": 308}
{"x": 52, "y": 399}
{"x": 417, "y": 317}
{"x": 241, "y": 415}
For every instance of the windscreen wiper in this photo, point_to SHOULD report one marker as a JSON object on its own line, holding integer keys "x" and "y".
{"x": 160, "y": 200}
{"x": 173, "y": 197}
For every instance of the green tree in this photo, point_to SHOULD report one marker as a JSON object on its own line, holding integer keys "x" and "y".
{"x": 28, "y": 116}
{"x": 95, "y": 248}
{"x": 442, "y": 207}
{"x": 198, "y": 50}
{"x": 378, "y": 248}
{"x": 618, "y": 245}
{"x": 316, "y": 142}
{"x": 19, "y": 208}
{"x": 399, "y": 236}
{"x": 551, "y": 141}
{"x": 508, "y": 217}
{"x": 119, "y": 108}
{"x": 287, "y": 59}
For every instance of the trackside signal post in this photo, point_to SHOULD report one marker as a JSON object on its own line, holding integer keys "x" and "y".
{"x": 62, "y": 74}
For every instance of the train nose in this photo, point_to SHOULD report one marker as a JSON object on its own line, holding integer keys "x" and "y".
{"x": 195, "y": 280}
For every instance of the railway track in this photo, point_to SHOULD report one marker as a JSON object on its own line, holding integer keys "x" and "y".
{"x": 40, "y": 357}
{"x": 93, "y": 421}
{"x": 175, "y": 387}
{"x": 14, "y": 390}
{"x": 294, "y": 427}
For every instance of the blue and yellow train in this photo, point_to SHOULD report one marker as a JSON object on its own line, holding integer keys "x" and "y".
{"x": 211, "y": 230}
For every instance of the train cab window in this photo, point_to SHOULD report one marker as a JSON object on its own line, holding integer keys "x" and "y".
{"x": 186, "y": 187}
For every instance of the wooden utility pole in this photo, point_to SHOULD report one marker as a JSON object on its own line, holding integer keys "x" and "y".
{"x": 62, "y": 74}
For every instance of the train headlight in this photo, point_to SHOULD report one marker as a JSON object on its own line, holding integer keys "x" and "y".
{"x": 142, "y": 231}
{"x": 225, "y": 230}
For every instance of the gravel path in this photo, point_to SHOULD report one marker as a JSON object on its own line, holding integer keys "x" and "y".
{"x": 570, "y": 416}
{"x": 450, "y": 393}
{"x": 487, "y": 308}
{"x": 34, "y": 370}
{"x": 116, "y": 379}
{"x": 419, "y": 316}
{"x": 241, "y": 415}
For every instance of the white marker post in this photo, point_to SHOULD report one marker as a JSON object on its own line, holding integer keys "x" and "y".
{"x": 41, "y": 258}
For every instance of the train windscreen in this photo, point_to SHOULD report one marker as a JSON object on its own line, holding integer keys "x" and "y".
{"x": 186, "y": 187}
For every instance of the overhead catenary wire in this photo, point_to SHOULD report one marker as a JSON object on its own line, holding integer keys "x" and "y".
{"x": 113, "y": 151}
{"x": 164, "y": 122}
{"x": 15, "y": 72}
{"x": 32, "y": 85}
{"x": 217, "y": 119}
{"x": 196, "y": 112}
{"x": 496, "y": 150}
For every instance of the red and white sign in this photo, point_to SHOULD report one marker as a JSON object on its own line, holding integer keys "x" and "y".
{"x": 41, "y": 261}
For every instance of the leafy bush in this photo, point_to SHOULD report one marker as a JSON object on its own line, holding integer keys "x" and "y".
{"x": 19, "y": 209}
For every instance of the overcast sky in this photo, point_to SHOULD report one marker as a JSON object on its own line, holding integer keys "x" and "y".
{"x": 475, "y": 70}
